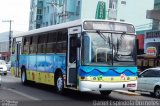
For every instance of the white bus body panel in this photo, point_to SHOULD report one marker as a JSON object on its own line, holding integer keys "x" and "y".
{"x": 95, "y": 86}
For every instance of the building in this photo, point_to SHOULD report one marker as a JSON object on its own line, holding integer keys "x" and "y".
{"x": 140, "y": 44}
{"x": 151, "y": 58}
{"x": 4, "y": 45}
{"x": 48, "y": 12}
{"x": 152, "y": 38}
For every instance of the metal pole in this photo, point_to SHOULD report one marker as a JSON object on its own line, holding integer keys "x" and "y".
{"x": 10, "y": 34}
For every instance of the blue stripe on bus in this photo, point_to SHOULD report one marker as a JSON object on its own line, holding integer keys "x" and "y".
{"x": 42, "y": 62}
{"x": 106, "y": 71}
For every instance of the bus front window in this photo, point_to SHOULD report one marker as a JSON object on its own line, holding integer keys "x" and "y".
{"x": 97, "y": 49}
{"x": 108, "y": 49}
{"x": 124, "y": 46}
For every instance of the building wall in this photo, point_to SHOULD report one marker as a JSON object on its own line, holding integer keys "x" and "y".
{"x": 156, "y": 23}
{"x": 59, "y": 11}
{"x": 4, "y": 42}
{"x": 4, "y": 46}
{"x": 89, "y": 11}
{"x": 152, "y": 37}
{"x": 53, "y": 12}
{"x": 33, "y": 12}
{"x": 140, "y": 38}
{"x": 47, "y": 14}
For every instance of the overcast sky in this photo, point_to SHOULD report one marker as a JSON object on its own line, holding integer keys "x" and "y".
{"x": 17, "y": 10}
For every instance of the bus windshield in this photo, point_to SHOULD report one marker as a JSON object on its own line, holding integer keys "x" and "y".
{"x": 101, "y": 48}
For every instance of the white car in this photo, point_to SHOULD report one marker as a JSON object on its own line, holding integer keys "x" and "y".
{"x": 149, "y": 81}
{"x": 3, "y": 67}
{"x": 8, "y": 65}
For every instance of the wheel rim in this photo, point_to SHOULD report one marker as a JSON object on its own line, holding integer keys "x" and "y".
{"x": 157, "y": 93}
{"x": 23, "y": 77}
{"x": 59, "y": 84}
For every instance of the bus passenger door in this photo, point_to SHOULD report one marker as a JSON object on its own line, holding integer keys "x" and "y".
{"x": 72, "y": 56}
{"x": 18, "y": 49}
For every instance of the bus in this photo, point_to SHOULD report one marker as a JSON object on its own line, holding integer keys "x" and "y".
{"x": 84, "y": 55}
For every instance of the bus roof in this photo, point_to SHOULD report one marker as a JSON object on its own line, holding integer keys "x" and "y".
{"x": 49, "y": 28}
{"x": 59, "y": 26}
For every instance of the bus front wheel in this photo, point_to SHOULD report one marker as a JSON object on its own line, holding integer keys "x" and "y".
{"x": 105, "y": 93}
{"x": 59, "y": 83}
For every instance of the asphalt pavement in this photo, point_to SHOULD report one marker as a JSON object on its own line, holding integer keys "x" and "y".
{"x": 12, "y": 91}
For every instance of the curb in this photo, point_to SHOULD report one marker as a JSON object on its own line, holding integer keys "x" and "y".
{"x": 127, "y": 92}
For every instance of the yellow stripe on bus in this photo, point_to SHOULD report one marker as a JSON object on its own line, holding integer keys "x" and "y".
{"x": 40, "y": 77}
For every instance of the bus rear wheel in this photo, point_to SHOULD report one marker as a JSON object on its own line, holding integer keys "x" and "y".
{"x": 59, "y": 83}
{"x": 105, "y": 93}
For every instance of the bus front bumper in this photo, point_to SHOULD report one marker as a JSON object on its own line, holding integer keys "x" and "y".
{"x": 102, "y": 86}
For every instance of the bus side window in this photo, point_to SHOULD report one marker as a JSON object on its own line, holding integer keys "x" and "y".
{"x": 61, "y": 42}
{"x": 33, "y": 44}
{"x": 26, "y": 41}
{"x": 51, "y": 42}
{"x": 42, "y": 39}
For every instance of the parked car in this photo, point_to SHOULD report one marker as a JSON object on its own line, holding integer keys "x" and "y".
{"x": 3, "y": 67}
{"x": 8, "y": 65}
{"x": 149, "y": 81}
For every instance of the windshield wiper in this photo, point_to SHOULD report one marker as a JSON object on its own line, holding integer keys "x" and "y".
{"x": 105, "y": 39}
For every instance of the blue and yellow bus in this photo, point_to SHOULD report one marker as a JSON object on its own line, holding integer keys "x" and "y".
{"x": 85, "y": 55}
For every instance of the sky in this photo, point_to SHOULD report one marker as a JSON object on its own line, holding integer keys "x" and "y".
{"x": 135, "y": 12}
{"x": 16, "y": 10}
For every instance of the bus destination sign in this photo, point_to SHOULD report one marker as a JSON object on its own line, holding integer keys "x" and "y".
{"x": 108, "y": 26}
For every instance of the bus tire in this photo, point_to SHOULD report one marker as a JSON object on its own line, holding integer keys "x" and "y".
{"x": 23, "y": 76}
{"x": 59, "y": 82}
{"x": 5, "y": 73}
{"x": 157, "y": 92}
{"x": 105, "y": 93}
